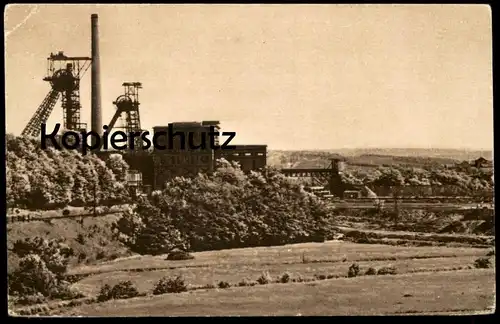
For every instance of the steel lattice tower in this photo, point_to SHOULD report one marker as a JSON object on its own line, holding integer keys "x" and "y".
{"x": 127, "y": 112}
{"x": 64, "y": 74}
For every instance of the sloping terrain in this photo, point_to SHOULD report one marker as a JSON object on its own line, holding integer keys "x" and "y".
{"x": 421, "y": 283}
{"x": 91, "y": 240}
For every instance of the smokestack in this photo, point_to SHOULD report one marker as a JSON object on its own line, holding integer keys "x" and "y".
{"x": 96, "y": 114}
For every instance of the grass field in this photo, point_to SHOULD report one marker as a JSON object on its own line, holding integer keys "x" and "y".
{"x": 416, "y": 293}
{"x": 428, "y": 280}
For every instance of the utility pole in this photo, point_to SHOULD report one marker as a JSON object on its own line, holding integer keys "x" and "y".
{"x": 95, "y": 193}
{"x": 95, "y": 198}
{"x": 396, "y": 204}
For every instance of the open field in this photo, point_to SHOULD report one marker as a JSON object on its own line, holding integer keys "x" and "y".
{"x": 470, "y": 291}
{"x": 421, "y": 285}
{"x": 332, "y": 251}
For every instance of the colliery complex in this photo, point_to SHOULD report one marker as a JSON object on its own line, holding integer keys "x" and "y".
{"x": 150, "y": 169}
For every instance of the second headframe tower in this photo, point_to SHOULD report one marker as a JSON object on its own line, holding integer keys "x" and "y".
{"x": 96, "y": 113}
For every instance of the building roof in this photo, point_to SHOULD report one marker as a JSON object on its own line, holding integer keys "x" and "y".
{"x": 369, "y": 193}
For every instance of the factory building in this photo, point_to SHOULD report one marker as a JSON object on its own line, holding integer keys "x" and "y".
{"x": 175, "y": 160}
{"x": 250, "y": 157}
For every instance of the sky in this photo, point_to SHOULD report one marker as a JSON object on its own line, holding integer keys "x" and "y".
{"x": 289, "y": 76}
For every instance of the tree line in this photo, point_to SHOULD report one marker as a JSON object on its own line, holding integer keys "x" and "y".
{"x": 48, "y": 178}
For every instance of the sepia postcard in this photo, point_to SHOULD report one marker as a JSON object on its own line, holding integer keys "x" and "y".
{"x": 249, "y": 160}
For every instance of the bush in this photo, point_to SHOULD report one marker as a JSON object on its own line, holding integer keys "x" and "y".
{"x": 353, "y": 270}
{"x": 32, "y": 277}
{"x": 482, "y": 263}
{"x": 100, "y": 255}
{"x": 168, "y": 285}
{"x": 264, "y": 279}
{"x": 53, "y": 253}
{"x": 80, "y": 239}
{"x": 491, "y": 253}
{"x": 387, "y": 271}
{"x": 207, "y": 286}
{"x": 246, "y": 283}
{"x": 357, "y": 237}
{"x": 179, "y": 255}
{"x": 371, "y": 272}
{"x": 104, "y": 293}
{"x": 285, "y": 278}
{"x": 63, "y": 291}
{"x": 122, "y": 290}
{"x": 31, "y": 300}
{"x": 82, "y": 256}
{"x": 223, "y": 284}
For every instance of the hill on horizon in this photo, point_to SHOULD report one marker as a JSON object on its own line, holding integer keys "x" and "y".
{"x": 369, "y": 158}
{"x": 455, "y": 154}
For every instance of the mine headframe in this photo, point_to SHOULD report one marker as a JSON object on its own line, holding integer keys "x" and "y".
{"x": 127, "y": 117}
{"x": 64, "y": 74}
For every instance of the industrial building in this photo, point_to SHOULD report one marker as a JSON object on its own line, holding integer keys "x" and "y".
{"x": 149, "y": 169}
{"x": 175, "y": 160}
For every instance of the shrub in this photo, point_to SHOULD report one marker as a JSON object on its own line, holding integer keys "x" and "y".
{"x": 179, "y": 255}
{"x": 387, "y": 271}
{"x": 491, "y": 253}
{"x": 104, "y": 293}
{"x": 320, "y": 277}
{"x": 246, "y": 283}
{"x": 353, "y": 270}
{"x": 482, "y": 263}
{"x": 285, "y": 278}
{"x": 53, "y": 253}
{"x": 357, "y": 237}
{"x": 223, "y": 284}
{"x": 32, "y": 277}
{"x": 66, "y": 212}
{"x": 122, "y": 290}
{"x": 168, "y": 285}
{"x": 80, "y": 239}
{"x": 371, "y": 272}
{"x": 208, "y": 286}
{"x": 65, "y": 292}
{"x": 82, "y": 256}
{"x": 264, "y": 279}
{"x": 299, "y": 279}
{"x": 31, "y": 300}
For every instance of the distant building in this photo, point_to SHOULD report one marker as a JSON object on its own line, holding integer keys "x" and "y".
{"x": 483, "y": 163}
{"x": 250, "y": 157}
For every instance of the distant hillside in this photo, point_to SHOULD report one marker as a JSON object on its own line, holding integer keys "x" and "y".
{"x": 455, "y": 154}
{"x": 373, "y": 157}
